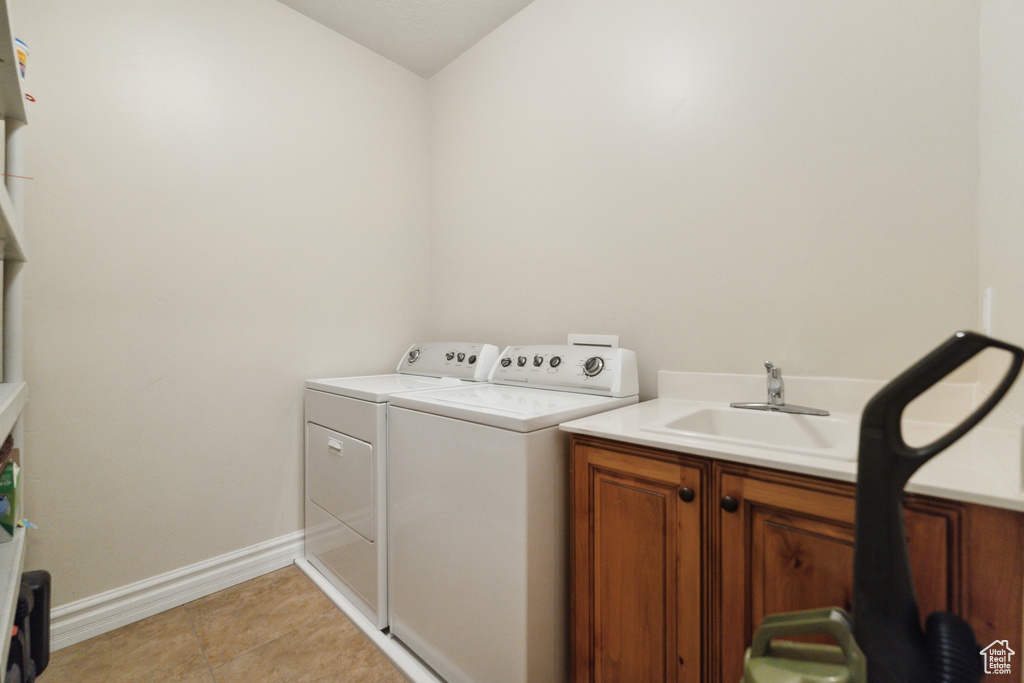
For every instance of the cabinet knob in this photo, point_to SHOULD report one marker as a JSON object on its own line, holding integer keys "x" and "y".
{"x": 686, "y": 494}
{"x": 730, "y": 504}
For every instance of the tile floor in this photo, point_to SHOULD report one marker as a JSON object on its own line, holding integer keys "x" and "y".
{"x": 275, "y": 628}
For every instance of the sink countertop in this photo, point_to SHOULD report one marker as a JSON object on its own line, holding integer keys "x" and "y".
{"x": 982, "y": 467}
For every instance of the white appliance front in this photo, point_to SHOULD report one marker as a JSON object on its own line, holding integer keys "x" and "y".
{"x": 478, "y": 563}
{"x": 343, "y": 438}
{"x": 341, "y": 478}
{"x": 478, "y": 515}
{"x": 346, "y": 465}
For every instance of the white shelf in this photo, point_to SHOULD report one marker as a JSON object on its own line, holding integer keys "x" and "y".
{"x": 12, "y": 96}
{"x": 12, "y": 106}
{"x": 12, "y": 561}
{"x": 14, "y": 392}
{"x": 12, "y": 553}
{"x": 10, "y": 228}
{"x": 12, "y": 402}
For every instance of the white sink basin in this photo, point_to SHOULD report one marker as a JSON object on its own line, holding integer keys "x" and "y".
{"x": 835, "y": 436}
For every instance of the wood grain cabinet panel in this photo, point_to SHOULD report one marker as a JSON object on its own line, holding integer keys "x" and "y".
{"x": 798, "y": 561}
{"x": 634, "y": 555}
{"x": 677, "y": 559}
{"x": 637, "y": 551}
{"x": 789, "y": 546}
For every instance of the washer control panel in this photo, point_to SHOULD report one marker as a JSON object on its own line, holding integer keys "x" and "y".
{"x": 583, "y": 369}
{"x": 461, "y": 360}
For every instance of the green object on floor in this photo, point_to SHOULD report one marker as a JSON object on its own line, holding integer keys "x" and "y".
{"x": 791, "y": 662}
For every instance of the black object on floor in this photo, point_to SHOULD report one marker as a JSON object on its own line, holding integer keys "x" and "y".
{"x": 29, "y": 652}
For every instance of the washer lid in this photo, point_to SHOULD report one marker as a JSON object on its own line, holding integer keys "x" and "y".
{"x": 519, "y": 409}
{"x": 378, "y": 388}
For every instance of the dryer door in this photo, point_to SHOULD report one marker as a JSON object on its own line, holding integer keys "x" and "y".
{"x": 339, "y": 477}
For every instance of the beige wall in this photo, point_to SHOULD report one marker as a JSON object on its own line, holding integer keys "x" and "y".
{"x": 721, "y": 183}
{"x": 228, "y": 199}
{"x": 1001, "y": 182}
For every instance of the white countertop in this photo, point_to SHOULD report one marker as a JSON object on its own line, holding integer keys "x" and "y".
{"x": 983, "y": 467}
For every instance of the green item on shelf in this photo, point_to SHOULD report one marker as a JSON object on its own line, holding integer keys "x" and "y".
{"x": 9, "y": 480}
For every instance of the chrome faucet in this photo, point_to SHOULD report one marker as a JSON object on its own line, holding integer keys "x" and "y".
{"x": 777, "y": 396}
{"x": 776, "y": 387}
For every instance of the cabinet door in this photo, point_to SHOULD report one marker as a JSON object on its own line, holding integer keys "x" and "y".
{"x": 786, "y": 544}
{"x": 637, "y": 597}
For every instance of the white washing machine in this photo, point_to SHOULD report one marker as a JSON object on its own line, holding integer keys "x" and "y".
{"x": 478, "y": 511}
{"x": 346, "y": 464}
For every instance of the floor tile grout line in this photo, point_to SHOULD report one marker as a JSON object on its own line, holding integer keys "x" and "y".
{"x": 256, "y": 647}
{"x": 251, "y": 649}
{"x": 199, "y": 642}
{"x": 202, "y": 649}
{"x": 305, "y": 623}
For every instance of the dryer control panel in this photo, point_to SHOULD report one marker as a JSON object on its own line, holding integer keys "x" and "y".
{"x": 583, "y": 369}
{"x": 460, "y": 360}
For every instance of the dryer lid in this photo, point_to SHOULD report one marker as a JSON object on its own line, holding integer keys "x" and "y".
{"x": 378, "y": 388}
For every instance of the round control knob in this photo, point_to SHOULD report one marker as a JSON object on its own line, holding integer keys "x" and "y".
{"x": 593, "y": 366}
{"x": 538, "y": 361}
{"x": 414, "y": 355}
{"x": 472, "y": 359}
{"x": 462, "y": 357}
{"x": 450, "y": 355}
{"x": 686, "y": 494}
{"x": 506, "y": 361}
{"x": 555, "y": 361}
{"x": 730, "y": 504}
{"x": 521, "y": 361}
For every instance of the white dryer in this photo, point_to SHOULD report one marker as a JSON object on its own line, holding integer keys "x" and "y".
{"x": 478, "y": 511}
{"x": 346, "y": 464}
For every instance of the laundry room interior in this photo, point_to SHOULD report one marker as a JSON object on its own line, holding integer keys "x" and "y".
{"x": 229, "y": 198}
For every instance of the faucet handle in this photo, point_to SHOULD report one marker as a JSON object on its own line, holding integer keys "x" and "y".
{"x": 772, "y": 370}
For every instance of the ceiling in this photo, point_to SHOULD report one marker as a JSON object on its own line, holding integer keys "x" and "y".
{"x": 421, "y": 35}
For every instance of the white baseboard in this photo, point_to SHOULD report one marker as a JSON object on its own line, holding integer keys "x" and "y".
{"x": 88, "y": 617}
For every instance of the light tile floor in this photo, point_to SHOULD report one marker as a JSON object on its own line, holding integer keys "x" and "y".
{"x": 277, "y": 628}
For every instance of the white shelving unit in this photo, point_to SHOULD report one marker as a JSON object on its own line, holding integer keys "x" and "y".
{"x": 13, "y": 390}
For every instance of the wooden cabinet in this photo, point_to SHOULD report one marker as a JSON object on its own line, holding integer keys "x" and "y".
{"x": 638, "y": 544}
{"x": 670, "y": 590}
{"x": 785, "y": 543}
